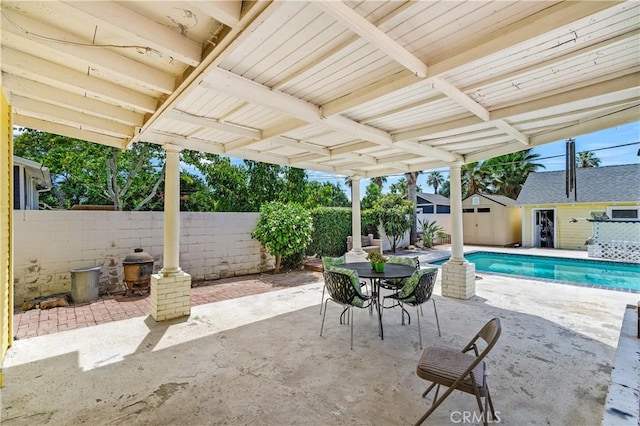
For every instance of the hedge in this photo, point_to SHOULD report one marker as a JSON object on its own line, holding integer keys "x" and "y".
{"x": 332, "y": 226}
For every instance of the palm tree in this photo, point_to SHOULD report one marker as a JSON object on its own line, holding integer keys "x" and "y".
{"x": 587, "y": 159}
{"x": 435, "y": 179}
{"x": 379, "y": 180}
{"x": 475, "y": 178}
{"x": 509, "y": 172}
{"x": 399, "y": 187}
{"x": 347, "y": 181}
{"x": 412, "y": 196}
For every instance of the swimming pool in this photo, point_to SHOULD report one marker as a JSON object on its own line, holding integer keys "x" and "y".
{"x": 588, "y": 272}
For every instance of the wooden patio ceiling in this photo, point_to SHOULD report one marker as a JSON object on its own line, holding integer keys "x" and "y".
{"x": 363, "y": 88}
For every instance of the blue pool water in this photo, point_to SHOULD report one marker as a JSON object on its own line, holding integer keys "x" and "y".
{"x": 594, "y": 273}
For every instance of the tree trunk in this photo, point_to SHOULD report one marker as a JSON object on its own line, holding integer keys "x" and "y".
{"x": 413, "y": 197}
{"x": 278, "y": 262}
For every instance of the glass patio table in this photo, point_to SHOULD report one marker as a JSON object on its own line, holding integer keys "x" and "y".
{"x": 391, "y": 271}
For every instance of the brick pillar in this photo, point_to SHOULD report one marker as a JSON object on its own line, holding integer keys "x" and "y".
{"x": 458, "y": 275}
{"x": 459, "y": 279}
{"x": 170, "y": 294}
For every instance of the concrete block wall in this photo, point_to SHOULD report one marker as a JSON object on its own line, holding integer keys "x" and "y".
{"x": 49, "y": 244}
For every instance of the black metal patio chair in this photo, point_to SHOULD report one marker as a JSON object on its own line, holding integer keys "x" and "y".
{"x": 343, "y": 286}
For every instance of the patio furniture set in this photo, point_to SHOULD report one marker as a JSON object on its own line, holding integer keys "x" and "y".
{"x": 409, "y": 285}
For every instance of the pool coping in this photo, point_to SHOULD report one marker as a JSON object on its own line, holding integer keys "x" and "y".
{"x": 624, "y": 290}
{"x": 622, "y": 406}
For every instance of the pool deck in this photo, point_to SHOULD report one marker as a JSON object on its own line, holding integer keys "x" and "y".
{"x": 110, "y": 308}
{"x": 260, "y": 360}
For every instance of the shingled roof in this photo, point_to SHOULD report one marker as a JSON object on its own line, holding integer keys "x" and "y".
{"x": 594, "y": 185}
{"x": 433, "y": 198}
{"x": 500, "y": 199}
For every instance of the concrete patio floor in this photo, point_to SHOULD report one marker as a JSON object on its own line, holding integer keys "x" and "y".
{"x": 260, "y": 360}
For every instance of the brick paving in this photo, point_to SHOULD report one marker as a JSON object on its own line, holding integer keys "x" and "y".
{"x": 38, "y": 322}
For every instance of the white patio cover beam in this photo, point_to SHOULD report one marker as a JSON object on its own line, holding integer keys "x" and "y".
{"x": 624, "y": 83}
{"x": 23, "y": 29}
{"x": 471, "y": 105}
{"x": 57, "y": 113}
{"x": 225, "y": 11}
{"x": 129, "y": 24}
{"x": 64, "y": 130}
{"x": 239, "y": 87}
{"x": 293, "y": 143}
{"x": 510, "y": 130}
{"x": 52, "y": 95}
{"x": 553, "y": 17}
{"x": 582, "y": 127}
{"x": 460, "y": 97}
{"x": 16, "y": 62}
{"x": 214, "y": 57}
{"x": 267, "y": 134}
{"x": 365, "y": 29}
{"x": 211, "y": 123}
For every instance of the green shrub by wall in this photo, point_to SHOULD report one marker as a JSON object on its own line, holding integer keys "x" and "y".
{"x": 368, "y": 222}
{"x": 331, "y": 227}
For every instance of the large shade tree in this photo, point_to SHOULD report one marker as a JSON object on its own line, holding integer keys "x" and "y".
{"x": 88, "y": 173}
{"x": 325, "y": 194}
{"x": 372, "y": 194}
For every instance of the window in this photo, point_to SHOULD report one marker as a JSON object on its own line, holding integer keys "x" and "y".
{"x": 623, "y": 213}
{"x": 484, "y": 210}
{"x": 443, "y": 209}
{"x": 468, "y": 210}
{"x": 475, "y": 201}
{"x": 427, "y": 209}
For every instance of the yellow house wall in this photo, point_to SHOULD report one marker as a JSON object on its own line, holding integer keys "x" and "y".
{"x": 568, "y": 235}
{"x": 513, "y": 223}
{"x": 6, "y": 238}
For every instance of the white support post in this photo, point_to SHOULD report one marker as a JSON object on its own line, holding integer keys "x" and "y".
{"x": 457, "y": 239}
{"x": 170, "y": 294}
{"x": 172, "y": 211}
{"x": 356, "y": 254}
{"x": 458, "y": 275}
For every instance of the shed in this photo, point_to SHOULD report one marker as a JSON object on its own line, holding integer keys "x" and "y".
{"x": 492, "y": 220}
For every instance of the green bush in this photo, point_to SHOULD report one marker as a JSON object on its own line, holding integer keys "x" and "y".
{"x": 369, "y": 223}
{"x": 292, "y": 262}
{"x": 332, "y": 226}
{"x": 284, "y": 229}
{"x": 395, "y": 215}
{"x": 429, "y": 232}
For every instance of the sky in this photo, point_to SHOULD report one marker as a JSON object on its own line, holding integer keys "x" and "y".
{"x": 603, "y": 144}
